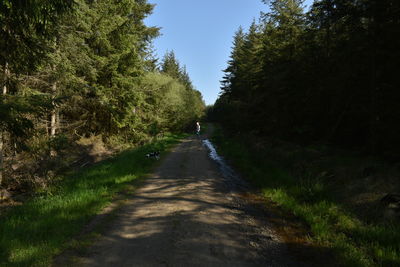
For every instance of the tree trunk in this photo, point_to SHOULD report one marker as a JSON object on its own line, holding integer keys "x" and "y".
{"x": 5, "y": 78}
{"x": 373, "y": 90}
{"x": 1, "y": 158}
{"x": 58, "y": 126}
{"x": 53, "y": 116}
{"x": 6, "y": 73}
{"x": 53, "y": 120}
{"x": 53, "y": 124}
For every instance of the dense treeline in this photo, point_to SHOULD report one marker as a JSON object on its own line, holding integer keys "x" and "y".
{"x": 73, "y": 69}
{"x": 328, "y": 76}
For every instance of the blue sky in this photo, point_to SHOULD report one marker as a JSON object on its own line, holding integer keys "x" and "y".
{"x": 200, "y": 32}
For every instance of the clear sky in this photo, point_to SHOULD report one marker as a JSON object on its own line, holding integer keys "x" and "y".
{"x": 200, "y": 32}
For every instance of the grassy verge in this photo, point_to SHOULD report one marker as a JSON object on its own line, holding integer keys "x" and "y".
{"x": 31, "y": 234}
{"x": 309, "y": 197}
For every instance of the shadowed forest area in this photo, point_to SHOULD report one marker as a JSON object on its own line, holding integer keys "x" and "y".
{"x": 79, "y": 81}
{"x": 327, "y": 76}
{"x": 309, "y": 112}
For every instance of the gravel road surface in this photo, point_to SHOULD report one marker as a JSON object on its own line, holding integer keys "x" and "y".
{"x": 188, "y": 213}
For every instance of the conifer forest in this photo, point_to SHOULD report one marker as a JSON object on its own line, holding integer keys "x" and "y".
{"x": 109, "y": 155}
{"x": 328, "y": 76}
{"x": 73, "y": 69}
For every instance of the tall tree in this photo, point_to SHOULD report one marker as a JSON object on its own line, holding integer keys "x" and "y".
{"x": 26, "y": 30}
{"x": 326, "y": 76}
{"x": 170, "y": 65}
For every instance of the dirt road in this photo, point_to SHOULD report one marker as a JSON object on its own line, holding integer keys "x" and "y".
{"x": 188, "y": 214}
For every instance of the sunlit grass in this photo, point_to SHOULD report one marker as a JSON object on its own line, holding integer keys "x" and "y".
{"x": 309, "y": 198}
{"x": 31, "y": 234}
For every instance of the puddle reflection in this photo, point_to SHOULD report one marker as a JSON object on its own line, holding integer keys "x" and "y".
{"x": 229, "y": 174}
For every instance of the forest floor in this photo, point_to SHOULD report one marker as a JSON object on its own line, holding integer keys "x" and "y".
{"x": 188, "y": 213}
{"x": 27, "y": 174}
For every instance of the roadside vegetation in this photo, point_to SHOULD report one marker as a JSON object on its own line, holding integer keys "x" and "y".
{"x": 92, "y": 78}
{"x": 309, "y": 111}
{"x": 31, "y": 234}
{"x": 308, "y": 185}
{"x": 79, "y": 83}
{"x": 328, "y": 75}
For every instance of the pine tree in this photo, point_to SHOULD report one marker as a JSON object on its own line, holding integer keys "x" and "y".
{"x": 170, "y": 65}
{"x": 25, "y": 33}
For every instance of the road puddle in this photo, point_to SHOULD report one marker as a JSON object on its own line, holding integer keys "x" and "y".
{"x": 231, "y": 177}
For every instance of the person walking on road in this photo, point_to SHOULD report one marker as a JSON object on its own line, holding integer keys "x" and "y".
{"x": 197, "y": 129}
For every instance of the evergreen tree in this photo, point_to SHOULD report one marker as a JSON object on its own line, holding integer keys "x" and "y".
{"x": 170, "y": 65}
{"x": 26, "y": 29}
{"x": 92, "y": 71}
{"x": 327, "y": 76}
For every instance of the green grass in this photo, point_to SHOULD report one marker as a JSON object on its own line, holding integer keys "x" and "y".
{"x": 356, "y": 243}
{"x": 31, "y": 234}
